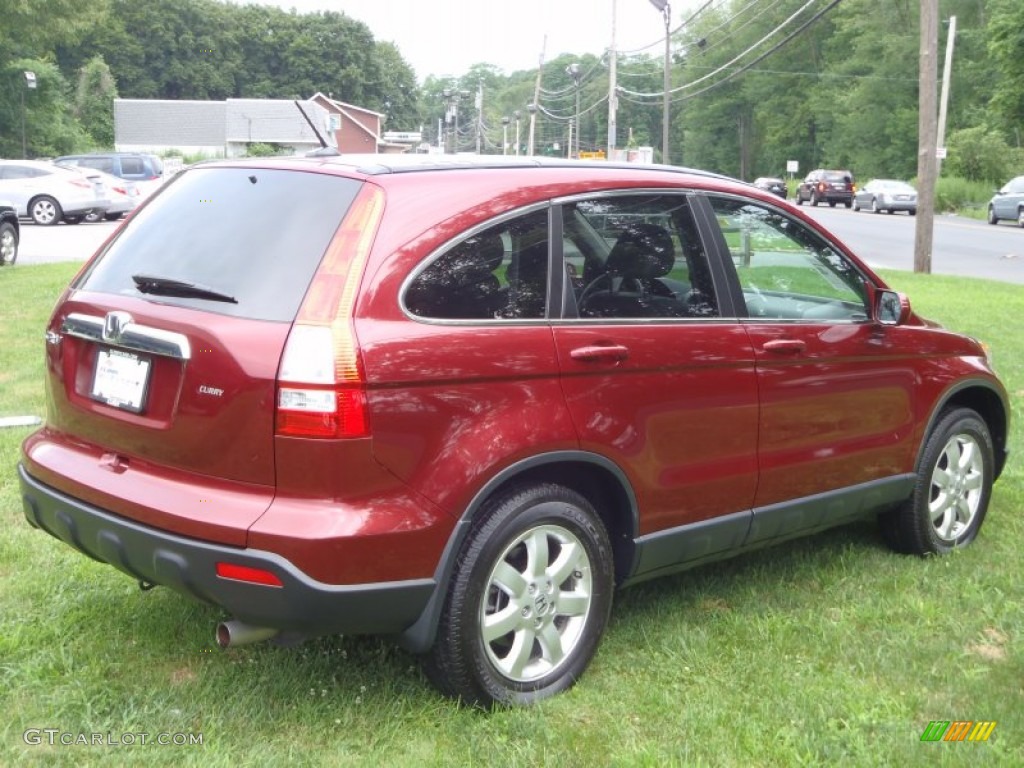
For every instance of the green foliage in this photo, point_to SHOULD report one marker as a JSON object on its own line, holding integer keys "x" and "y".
{"x": 953, "y": 193}
{"x": 94, "y": 101}
{"x": 259, "y": 149}
{"x": 828, "y": 651}
{"x": 1006, "y": 50}
{"x": 50, "y": 128}
{"x": 981, "y": 154}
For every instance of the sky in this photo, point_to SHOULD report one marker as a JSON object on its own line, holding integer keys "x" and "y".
{"x": 446, "y": 37}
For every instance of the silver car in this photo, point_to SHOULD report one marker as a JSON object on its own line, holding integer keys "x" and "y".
{"x": 886, "y": 195}
{"x": 48, "y": 194}
{"x": 1008, "y": 203}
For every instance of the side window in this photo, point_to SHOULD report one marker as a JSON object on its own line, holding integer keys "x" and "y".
{"x": 786, "y": 270}
{"x": 132, "y": 166}
{"x": 498, "y": 273}
{"x": 104, "y": 164}
{"x": 637, "y": 256}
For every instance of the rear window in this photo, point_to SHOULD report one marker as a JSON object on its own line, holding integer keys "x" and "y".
{"x": 252, "y": 234}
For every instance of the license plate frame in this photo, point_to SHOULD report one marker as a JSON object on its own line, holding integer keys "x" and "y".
{"x": 121, "y": 379}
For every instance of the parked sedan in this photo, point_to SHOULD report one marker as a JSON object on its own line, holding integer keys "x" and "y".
{"x": 886, "y": 195}
{"x": 9, "y": 234}
{"x": 124, "y": 194}
{"x": 771, "y": 184}
{"x": 1008, "y": 203}
{"x": 48, "y": 194}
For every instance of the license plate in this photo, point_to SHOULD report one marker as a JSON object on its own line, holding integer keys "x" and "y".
{"x": 121, "y": 379}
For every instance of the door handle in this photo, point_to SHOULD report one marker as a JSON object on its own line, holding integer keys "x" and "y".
{"x": 785, "y": 346}
{"x": 611, "y": 353}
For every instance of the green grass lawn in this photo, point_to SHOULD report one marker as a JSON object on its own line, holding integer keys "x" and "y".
{"x": 827, "y": 651}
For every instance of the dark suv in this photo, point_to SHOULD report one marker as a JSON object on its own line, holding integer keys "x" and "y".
{"x": 826, "y": 187}
{"x": 460, "y": 401}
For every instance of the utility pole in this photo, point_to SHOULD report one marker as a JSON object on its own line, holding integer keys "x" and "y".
{"x": 947, "y": 73}
{"x": 666, "y": 12}
{"x": 536, "y": 95}
{"x": 926, "y": 136}
{"x": 479, "y": 113}
{"x": 612, "y": 98}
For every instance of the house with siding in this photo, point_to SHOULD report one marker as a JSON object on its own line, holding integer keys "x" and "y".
{"x": 358, "y": 128}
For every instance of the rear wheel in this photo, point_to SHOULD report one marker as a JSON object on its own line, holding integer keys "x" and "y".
{"x": 8, "y": 244}
{"x": 528, "y": 602}
{"x": 112, "y": 216}
{"x": 73, "y": 219}
{"x": 45, "y": 211}
{"x": 848, "y": 203}
{"x": 951, "y": 495}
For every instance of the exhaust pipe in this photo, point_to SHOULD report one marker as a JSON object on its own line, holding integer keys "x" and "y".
{"x": 234, "y": 632}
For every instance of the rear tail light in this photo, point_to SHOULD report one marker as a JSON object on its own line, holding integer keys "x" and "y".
{"x": 320, "y": 386}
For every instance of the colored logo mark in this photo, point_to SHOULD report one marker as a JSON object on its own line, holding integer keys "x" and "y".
{"x": 958, "y": 730}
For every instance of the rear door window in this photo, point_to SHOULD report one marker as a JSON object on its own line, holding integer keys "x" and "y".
{"x": 254, "y": 236}
{"x": 637, "y": 257}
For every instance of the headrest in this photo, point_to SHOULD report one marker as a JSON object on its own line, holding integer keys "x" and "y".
{"x": 642, "y": 250}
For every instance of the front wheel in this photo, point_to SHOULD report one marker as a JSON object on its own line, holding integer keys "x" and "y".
{"x": 528, "y": 602}
{"x": 992, "y": 219}
{"x": 951, "y": 495}
{"x": 8, "y": 243}
{"x": 1020, "y": 217}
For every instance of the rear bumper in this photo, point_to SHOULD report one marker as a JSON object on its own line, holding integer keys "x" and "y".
{"x": 302, "y": 604}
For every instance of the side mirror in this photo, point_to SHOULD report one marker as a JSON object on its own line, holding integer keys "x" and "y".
{"x": 891, "y": 308}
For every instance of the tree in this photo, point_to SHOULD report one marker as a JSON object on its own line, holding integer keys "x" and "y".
{"x": 1006, "y": 50}
{"x": 50, "y": 128}
{"x": 94, "y": 101}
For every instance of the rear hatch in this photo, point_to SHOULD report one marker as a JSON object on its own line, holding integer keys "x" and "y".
{"x": 163, "y": 355}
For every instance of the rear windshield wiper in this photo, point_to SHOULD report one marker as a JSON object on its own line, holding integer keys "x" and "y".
{"x": 165, "y": 286}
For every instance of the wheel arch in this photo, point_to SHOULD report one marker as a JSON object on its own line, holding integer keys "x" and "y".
{"x": 987, "y": 401}
{"x": 595, "y": 477}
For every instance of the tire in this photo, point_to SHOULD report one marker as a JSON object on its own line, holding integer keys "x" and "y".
{"x": 73, "y": 219}
{"x": 1020, "y": 217}
{"x": 831, "y": 203}
{"x": 112, "y": 216}
{"x": 992, "y": 219}
{"x": 856, "y": 206}
{"x": 814, "y": 199}
{"x": 952, "y": 491}
{"x": 501, "y": 600}
{"x": 45, "y": 211}
{"x": 848, "y": 203}
{"x": 798, "y": 200}
{"x": 890, "y": 211}
{"x": 874, "y": 206}
{"x": 8, "y": 243}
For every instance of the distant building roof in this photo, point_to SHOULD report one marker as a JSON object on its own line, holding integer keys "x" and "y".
{"x": 169, "y": 122}
{"x": 275, "y": 121}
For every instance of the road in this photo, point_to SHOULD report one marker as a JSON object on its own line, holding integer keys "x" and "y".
{"x": 964, "y": 247}
{"x": 63, "y": 242}
{"x": 959, "y": 246}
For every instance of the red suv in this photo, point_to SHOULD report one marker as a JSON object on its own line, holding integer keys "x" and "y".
{"x": 461, "y": 401}
{"x": 826, "y": 187}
